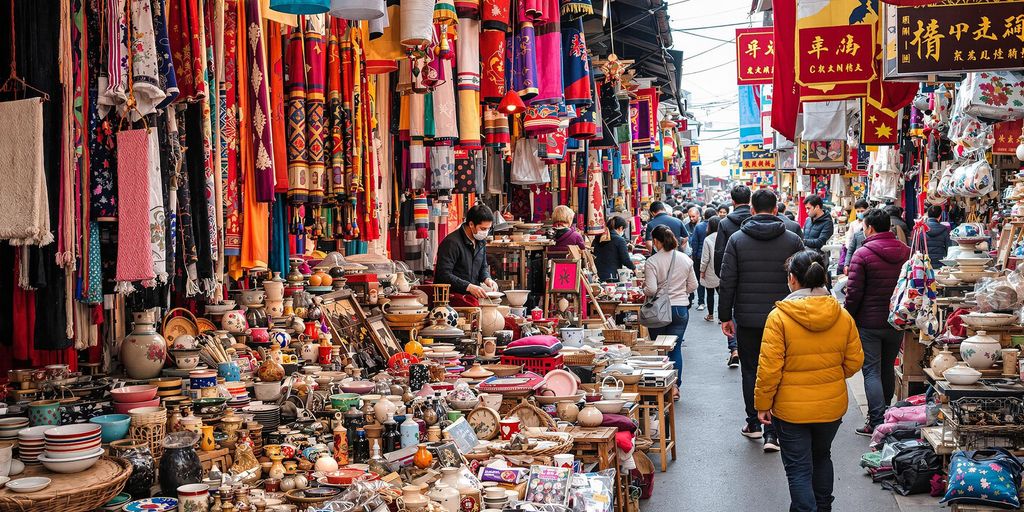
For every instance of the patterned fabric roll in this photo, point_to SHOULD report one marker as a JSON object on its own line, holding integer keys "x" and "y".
{"x": 442, "y": 168}
{"x": 278, "y": 112}
{"x": 496, "y": 15}
{"x": 336, "y": 178}
{"x": 165, "y": 63}
{"x": 541, "y": 119}
{"x": 421, "y": 215}
{"x": 229, "y": 133}
{"x": 316, "y": 54}
{"x": 417, "y": 153}
{"x": 495, "y": 128}
{"x": 524, "y": 62}
{"x": 384, "y": 52}
{"x": 575, "y": 64}
{"x": 187, "y": 48}
{"x": 492, "y": 61}
{"x": 467, "y": 82}
{"x": 259, "y": 105}
{"x": 446, "y": 126}
{"x": 295, "y": 83}
{"x": 549, "y": 54}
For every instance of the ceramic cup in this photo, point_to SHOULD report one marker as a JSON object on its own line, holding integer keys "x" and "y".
{"x": 44, "y": 412}
{"x": 6, "y": 455}
{"x": 194, "y": 498}
{"x": 491, "y": 400}
{"x": 503, "y": 337}
{"x": 229, "y": 371}
{"x": 563, "y": 460}
{"x": 509, "y": 427}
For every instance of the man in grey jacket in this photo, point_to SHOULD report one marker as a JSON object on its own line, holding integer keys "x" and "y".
{"x": 753, "y": 278}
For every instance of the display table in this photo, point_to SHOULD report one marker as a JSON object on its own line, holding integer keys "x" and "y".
{"x": 657, "y": 402}
{"x": 76, "y": 492}
{"x": 597, "y": 445}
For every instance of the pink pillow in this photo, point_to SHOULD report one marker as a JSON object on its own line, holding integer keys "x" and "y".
{"x": 539, "y": 340}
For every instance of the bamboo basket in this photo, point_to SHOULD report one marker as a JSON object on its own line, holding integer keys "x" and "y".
{"x": 562, "y": 445}
{"x": 78, "y": 492}
{"x": 579, "y": 359}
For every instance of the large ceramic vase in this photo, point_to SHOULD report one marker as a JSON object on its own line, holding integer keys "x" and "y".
{"x": 144, "y": 350}
{"x": 980, "y": 351}
{"x": 491, "y": 319}
{"x": 143, "y": 466}
{"x": 180, "y": 463}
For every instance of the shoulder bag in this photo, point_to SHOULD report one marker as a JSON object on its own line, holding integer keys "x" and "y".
{"x": 657, "y": 310}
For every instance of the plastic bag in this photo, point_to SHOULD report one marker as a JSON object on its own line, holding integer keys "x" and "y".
{"x": 593, "y": 492}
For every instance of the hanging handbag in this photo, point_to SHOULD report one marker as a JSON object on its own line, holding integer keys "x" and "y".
{"x": 984, "y": 477}
{"x": 657, "y": 310}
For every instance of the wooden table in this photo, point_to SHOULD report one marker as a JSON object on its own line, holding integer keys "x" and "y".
{"x": 597, "y": 444}
{"x": 657, "y": 402}
{"x": 632, "y": 308}
{"x": 661, "y": 345}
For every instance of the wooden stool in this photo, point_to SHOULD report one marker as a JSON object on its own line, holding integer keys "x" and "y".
{"x": 657, "y": 402}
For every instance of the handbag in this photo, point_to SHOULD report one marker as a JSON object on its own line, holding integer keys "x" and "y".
{"x": 984, "y": 477}
{"x": 657, "y": 310}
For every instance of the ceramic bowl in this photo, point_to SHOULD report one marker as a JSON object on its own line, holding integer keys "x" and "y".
{"x": 988, "y": 319}
{"x": 359, "y": 387}
{"x": 186, "y": 359}
{"x": 610, "y": 406}
{"x": 125, "y": 407}
{"x": 30, "y": 484}
{"x": 344, "y": 476}
{"x": 134, "y": 393}
{"x": 114, "y": 426}
{"x": 55, "y": 454}
{"x": 342, "y": 401}
{"x": 77, "y": 431}
{"x": 464, "y": 405}
{"x": 117, "y": 502}
{"x": 34, "y": 433}
{"x": 72, "y": 465}
{"x": 961, "y": 375}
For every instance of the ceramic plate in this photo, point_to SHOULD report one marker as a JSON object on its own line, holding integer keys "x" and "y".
{"x": 31, "y": 484}
{"x": 205, "y": 325}
{"x": 152, "y": 505}
{"x": 561, "y": 382}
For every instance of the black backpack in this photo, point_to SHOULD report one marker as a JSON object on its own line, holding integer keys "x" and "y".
{"x": 913, "y": 469}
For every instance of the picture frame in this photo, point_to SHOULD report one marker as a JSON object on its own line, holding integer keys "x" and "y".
{"x": 383, "y": 336}
{"x": 349, "y": 328}
{"x": 565, "y": 276}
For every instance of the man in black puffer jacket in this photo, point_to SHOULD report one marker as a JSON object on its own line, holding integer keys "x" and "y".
{"x": 753, "y": 278}
{"x": 937, "y": 236}
{"x": 818, "y": 227}
{"x": 731, "y": 223}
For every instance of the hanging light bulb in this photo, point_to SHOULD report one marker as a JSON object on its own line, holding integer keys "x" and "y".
{"x": 511, "y": 103}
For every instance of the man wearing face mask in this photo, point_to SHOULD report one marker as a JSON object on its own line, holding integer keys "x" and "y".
{"x": 462, "y": 256}
{"x": 857, "y": 226}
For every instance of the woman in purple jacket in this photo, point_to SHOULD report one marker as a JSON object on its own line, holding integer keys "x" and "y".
{"x": 563, "y": 218}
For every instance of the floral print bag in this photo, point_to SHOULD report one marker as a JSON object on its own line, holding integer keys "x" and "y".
{"x": 994, "y": 95}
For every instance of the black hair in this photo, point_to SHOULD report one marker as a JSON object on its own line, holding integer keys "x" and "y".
{"x": 616, "y": 223}
{"x": 713, "y": 224}
{"x": 790, "y": 216}
{"x": 808, "y": 267}
{"x": 763, "y": 201}
{"x": 657, "y": 206}
{"x": 861, "y": 203}
{"x": 782, "y": 207}
{"x": 667, "y": 238}
{"x": 740, "y": 194}
{"x": 877, "y": 219}
{"x": 708, "y": 213}
{"x": 479, "y": 213}
{"x": 935, "y": 211}
{"x": 723, "y": 207}
{"x": 893, "y": 210}
{"x": 813, "y": 200}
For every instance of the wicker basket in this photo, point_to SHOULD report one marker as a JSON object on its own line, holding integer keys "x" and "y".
{"x": 151, "y": 434}
{"x": 579, "y": 359}
{"x": 530, "y": 414}
{"x": 563, "y": 444}
{"x": 77, "y": 492}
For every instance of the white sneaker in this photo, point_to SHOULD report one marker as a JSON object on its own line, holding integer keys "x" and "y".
{"x": 700, "y": 307}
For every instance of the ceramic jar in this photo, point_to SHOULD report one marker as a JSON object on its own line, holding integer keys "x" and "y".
{"x": 403, "y": 304}
{"x": 234, "y": 322}
{"x": 274, "y": 290}
{"x": 491, "y": 319}
{"x": 590, "y": 416}
{"x": 270, "y": 370}
{"x": 423, "y": 458}
{"x": 384, "y": 408}
{"x": 194, "y": 498}
{"x": 980, "y": 351}
{"x": 253, "y": 297}
{"x": 280, "y": 337}
{"x": 144, "y": 350}
{"x": 567, "y": 411}
{"x": 446, "y": 496}
{"x": 309, "y": 351}
{"x": 44, "y": 412}
{"x": 412, "y": 496}
{"x": 943, "y": 361}
{"x": 179, "y": 464}
{"x": 143, "y": 466}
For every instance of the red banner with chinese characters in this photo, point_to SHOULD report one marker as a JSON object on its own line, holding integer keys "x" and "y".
{"x": 755, "y": 49}
{"x": 879, "y": 125}
{"x": 835, "y": 55}
{"x": 1008, "y": 136}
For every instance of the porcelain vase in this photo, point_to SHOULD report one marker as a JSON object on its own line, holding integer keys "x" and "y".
{"x": 144, "y": 350}
{"x": 980, "y": 351}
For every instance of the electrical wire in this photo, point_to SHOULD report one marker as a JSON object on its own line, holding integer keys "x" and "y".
{"x": 723, "y": 43}
{"x": 748, "y": 22}
{"x": 730, "y": 61}
{"x": 707, "y": 37}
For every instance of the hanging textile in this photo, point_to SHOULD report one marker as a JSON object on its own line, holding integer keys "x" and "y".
{"x": 134, "y": 257}
{"x": 467, "y": 82}
{"x": 495, "y": 127}
{"x": 524, "y": 57}
{"x": 575, "y": 64}
{"x": 24, "y": 201}
{"x": 417, "y": 153}
{"x": 114, "y": 84}
{"x": 155, "y": 208}
{"x": 316, "y": 63}
{"x": 229, "y": 132}
{"x": 295, "y": 83}
{"x": 465, "y": 171}
{"x": 145, "y": 62}
{"x": 259, "y": 105}
{"x": 188, "y": 50}
{"x": 421, "y": 215}
{"x": 446, "y": 125}
{"x": 256, "y": 215}
{"x": 549, "y": 54}
{"x": 165, "y": 62}
{"x": 102, "y": 181}
{"x": 335, "y": 181}
{"x": 495, "y": 20}
{"x": 442, "y": 168}
{"x": 595, "y": 197}
{"x": 279, "y": 119}
{"x": 384, "y": 51}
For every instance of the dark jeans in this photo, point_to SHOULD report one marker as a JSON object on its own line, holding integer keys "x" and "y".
{"x": 807, "y": 456}
{"x": 680, "y": 317}
{"x": 881, "y": 346}
{"x": 700, "y": 293}
{"x": 748, "y": 341}
{"x": 709, "y": 295}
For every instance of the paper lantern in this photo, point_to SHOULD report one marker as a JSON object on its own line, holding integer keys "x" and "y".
{"x": 417, "y": 23}
{"x": 300, "y": 6}
{"x": 511, "y": 103}
{"x": 358, "y": 9}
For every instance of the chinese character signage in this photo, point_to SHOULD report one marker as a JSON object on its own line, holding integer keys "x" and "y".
{"x": 755, "y": 48}
{"x": 1007, "y": 137}
{"x": 835, "y": 55}
{"x": 960, "y": 37}
{"x": 756, "y": 158}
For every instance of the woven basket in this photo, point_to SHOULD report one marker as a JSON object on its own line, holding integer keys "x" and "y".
{"x": 152, "y": 434}
{"x": 149, "y": 418}
{"x": 526, "y": 411}
{"x": 77, "y": 492}
{"x": 579, "y": 359}
{"x": 563, "y": 445}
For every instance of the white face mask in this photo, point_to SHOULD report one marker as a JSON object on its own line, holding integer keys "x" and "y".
{"x": 480, "y": 235}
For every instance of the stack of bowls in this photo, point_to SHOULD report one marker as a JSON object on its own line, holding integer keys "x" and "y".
{"x": 30, "y": 444}
{"x": 71, "y": 448}
{"x": 9, "y": 427}
{"x": 133, "y": 397}
{"x": 267, "y": 415}
{"x": 167, "y": 386}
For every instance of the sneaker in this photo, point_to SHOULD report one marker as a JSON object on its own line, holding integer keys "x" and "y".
{"x": 867, "y": 430}
{"x": 734, "y": 360}
{"x": 700, "y": 307}
{"x": 709, "y": 317}
{"x": 752, "y": 432}
{"x": 771, "y": 443}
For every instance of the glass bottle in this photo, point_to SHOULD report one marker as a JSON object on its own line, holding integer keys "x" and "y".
{"x": 377, "y": 463}
{"x": 361, "y": 448}
{"x": 391, "y": 440}
{"x": 353, "y": 420}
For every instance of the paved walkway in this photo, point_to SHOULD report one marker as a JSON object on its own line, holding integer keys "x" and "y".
{"x": 718, "y": 469}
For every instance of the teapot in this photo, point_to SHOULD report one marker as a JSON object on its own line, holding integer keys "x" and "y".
{"x": 612, "y": 392}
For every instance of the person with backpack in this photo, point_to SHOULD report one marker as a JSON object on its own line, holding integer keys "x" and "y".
{"x": 810, "y": 348}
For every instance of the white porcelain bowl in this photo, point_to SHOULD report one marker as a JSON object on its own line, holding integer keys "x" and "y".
{"x": 609, "y": 406}
{"x": 72, "y": 465}
{"x": 30, "y": 484}
{"x": 962, "y": 375}
{"x": 988, "y": 319}
{"x": 72, "y": 432}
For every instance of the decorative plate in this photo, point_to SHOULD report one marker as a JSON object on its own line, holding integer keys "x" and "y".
{"x": 152, "y": 505}
{"x": 176, "y": 327}
{"x": 205, "y": 325}
{"x": 399, "y": 363}
{"x": 485, "y": 422}
{"x": 561, "y": 382}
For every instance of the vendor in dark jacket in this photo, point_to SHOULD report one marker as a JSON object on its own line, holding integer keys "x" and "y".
{"x": 818, "y": 228}
{"x": 872, "y": 276}
{"x": 731, "y": 223}
{"x": 937, "y": 236}
{"x": 611, "y": 252}
{"x": 462, "y": 256}
{"x": 753, "y": 278}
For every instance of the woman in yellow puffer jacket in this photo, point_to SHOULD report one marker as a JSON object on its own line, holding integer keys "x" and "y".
{"x": 810, "y": 347}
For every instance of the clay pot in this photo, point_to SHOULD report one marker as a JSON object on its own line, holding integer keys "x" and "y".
{"x": 144, "y": 350}
{"x": 943, "y": 361}
{"x": 384, "y": 408}
{"x": 412, "y": 496}
{"x": 491, "y": 319}
{"x": 568, "y": 411}
{"x": 590, "y": 416}
{"x": 234, "y": 322}
{"x": 980, "y": 351}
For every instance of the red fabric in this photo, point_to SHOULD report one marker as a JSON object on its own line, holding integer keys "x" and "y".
{"x": 624, "y": 440}
{"x": 22, "y": 354}
{"x": 785, "y": 94}
{"x": 460, "y": 300}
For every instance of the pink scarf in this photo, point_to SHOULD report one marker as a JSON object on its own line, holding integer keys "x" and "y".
{"x": 134, "y": 258}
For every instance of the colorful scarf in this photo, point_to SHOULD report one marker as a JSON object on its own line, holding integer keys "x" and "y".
{"x": 644, "y": 119}
{"x": 336, "y": 182}
{"x": 492, "y": 62}
{"x": 316, "y": 54}
{"x": 210, "y": 172}
{"x": 115, "y": 82}
{"x": 259, "y": 105}
{"x": 165, "y": 62}
{"x": 295, "y": 83}
{"x": 145, "y": 66}
{"x": 575, "y": 64}
{"x": 421, "y": 215}
{"x": 134, "y": 257}
{"x": 277, "y": 110}
{"x": 524, "y": 59}
{"x": 495, "y": 127}
{"x": 467, "y": 82}
{"x": 229, "y": 133}
{"x": 156, "y": 213}
{"x": 186, "y": 38}
{"x": 549, "y": 55}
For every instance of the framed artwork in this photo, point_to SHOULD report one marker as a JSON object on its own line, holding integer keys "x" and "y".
{"x": 350, "y": 329}
{"x": 565, "y": 276}
{"x": 383, "y": 336}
